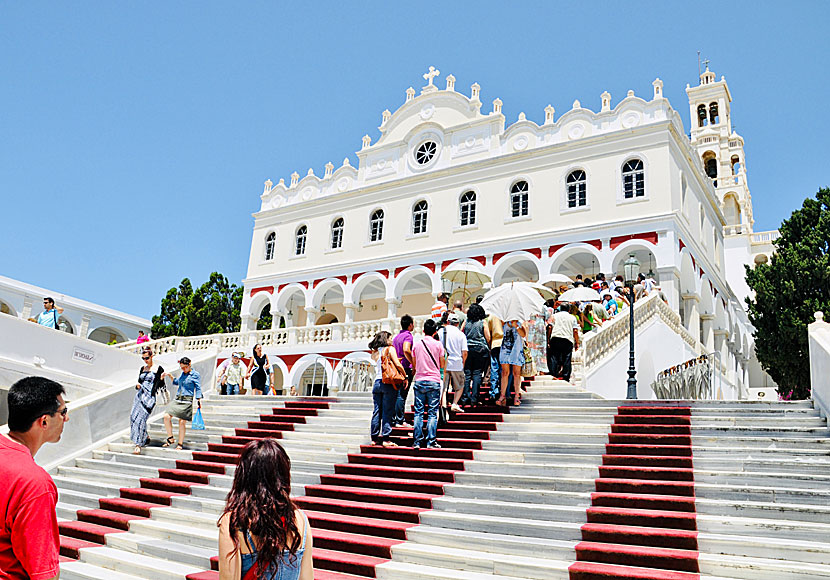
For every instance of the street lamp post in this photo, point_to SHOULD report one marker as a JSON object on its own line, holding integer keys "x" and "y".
{"x": 631, "y": 267}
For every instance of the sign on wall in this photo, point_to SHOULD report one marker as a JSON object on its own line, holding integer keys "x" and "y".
{"x": 83, "y": 355}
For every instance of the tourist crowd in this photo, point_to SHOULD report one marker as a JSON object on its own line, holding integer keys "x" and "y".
{"x": 461, "y": 351}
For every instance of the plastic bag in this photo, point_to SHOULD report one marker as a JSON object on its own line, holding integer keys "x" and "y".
{"x": 198, "y": 422}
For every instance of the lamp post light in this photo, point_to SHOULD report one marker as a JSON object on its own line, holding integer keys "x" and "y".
{"x": 631, "y": 268}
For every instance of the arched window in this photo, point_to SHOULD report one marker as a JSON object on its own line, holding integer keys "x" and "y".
{"x": 634, "y": 179}
{"x": 299, "y": 244}
{"x": 577, "y": 189}
{"x": 270, "y": 243}
{"x": 468, "y": 208}
{"x": 714, "y": 118}
{"x": 419, "y": 217}
{"x": 518, "y": 199}
{"x": 337, "y": 234}
{"x": 376, "y": 226}
{"x": 701, "y": 115}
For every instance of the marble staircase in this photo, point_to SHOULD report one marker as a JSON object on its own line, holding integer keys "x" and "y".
{"x": 565, "y": 486}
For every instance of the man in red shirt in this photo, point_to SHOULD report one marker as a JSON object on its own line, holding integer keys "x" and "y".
{"x": 29, "y": 542}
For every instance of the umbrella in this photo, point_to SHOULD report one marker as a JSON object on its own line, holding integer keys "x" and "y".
{"x": 545, "y": 292}
{"x": 514, "y": 301}
{"x": 466, "y": 273}
{"x": 580, "y": 294}
{"x": 555, "y": 280}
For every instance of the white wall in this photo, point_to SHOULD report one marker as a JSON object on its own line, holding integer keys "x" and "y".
{"x": 656, "y": 348}
{"x": 819, "y": 342}
{"x": 82, "y": 366}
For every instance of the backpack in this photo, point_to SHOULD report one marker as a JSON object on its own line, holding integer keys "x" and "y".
{"x": 391, "y": 374}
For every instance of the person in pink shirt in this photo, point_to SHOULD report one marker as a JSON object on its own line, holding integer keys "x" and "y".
{"x": 429, "y": 360}
{"x": 142, "y": 337}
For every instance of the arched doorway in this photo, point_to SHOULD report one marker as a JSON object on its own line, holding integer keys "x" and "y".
{"x": 107, "y": 335}
{"x": 413, "y": 288}
{"x": 369, "y": 294}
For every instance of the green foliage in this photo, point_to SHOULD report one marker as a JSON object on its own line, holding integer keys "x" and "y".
{"x": 265, "y": 318}
{"x": 788, "y": 290}
{"x": 214, "y": 307}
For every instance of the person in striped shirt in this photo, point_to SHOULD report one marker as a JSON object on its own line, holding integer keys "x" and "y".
{"x": 440, "y": 307}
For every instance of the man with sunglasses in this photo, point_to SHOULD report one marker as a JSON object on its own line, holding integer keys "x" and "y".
{"x": 51, "y": 313}
{"x": 29, "y": 541}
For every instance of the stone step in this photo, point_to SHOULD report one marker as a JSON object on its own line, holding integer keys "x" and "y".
{"x": 407, "y": 571}
{"x": 84, "y": 571}
{"x": 184, "y": 553}
{"x": 137, "y": 564}
{"x": 528, "y": 567}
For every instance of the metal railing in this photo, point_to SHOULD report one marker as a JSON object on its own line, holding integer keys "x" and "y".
{"x": 691, "y": 380}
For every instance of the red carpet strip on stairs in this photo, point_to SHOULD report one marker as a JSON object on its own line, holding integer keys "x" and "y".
{"x": 359, "y": 512}
{"x": 115, "y": 514}
{"x": 642, "y": 521}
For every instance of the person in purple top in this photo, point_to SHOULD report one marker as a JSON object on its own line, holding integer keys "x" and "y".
{"x": 403, "y": 346}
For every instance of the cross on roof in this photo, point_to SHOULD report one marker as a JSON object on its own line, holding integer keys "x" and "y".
{"x": 706, "y": 63}
{"x": 433, "y": 72}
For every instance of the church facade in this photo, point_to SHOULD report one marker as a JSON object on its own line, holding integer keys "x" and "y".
{"x": 449, "y": 181}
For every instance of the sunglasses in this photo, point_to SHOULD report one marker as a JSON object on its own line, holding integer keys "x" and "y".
{"x": 63, "y": 412}
{"x": 145, "y": 358}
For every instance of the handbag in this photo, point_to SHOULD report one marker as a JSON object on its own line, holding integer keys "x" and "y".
{"x": 162, "y": 394}
{"x": 390, "y": 373}
{"x": 198, "y": 421}
{"x": 529, "y": 366}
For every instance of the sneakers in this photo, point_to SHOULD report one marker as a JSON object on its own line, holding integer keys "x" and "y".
{"x": 456, "y": 409}
{"x": 434, "y": 446}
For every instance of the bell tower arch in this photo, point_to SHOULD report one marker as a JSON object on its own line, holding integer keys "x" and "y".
{"x": 720, "y": 149}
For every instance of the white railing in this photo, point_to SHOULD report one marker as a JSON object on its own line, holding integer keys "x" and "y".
{"x": 612, "y": 335}
{"x": 818, "y": 338}
{"x": 296, "y": 335}
{"x": 765, "y": 237}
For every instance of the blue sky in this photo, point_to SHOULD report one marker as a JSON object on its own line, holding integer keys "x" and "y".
{"x": 135, "y": 137}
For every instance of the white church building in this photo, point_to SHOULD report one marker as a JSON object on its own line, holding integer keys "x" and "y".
{"x": 339, "y": 256}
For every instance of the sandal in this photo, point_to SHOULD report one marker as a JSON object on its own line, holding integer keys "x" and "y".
{"x": 169, "y": 442}
{"x": 389, "y": 444}
{"x": 137, "y": 450}
{"x": 179, "y": 447}
{"x": 517, "y": 402}
{"x": 501, "y": 402}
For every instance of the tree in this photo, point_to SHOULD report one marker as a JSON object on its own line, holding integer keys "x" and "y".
{"x": 265, "y": 319}
{"x": 788, "y": 291}
{"x": 213, "y": 308}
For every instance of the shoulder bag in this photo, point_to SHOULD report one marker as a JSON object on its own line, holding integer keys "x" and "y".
{"x": 391, "y": 374}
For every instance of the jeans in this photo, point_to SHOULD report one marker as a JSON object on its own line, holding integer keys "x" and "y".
{"x": 403, "y": 393}
{"x": 495, "y": 375}
{"x": 560, "y": 351}
{"x": 232, "y": 389}
{"x": 384, "y": 397}
{"x": 427, "y": 394}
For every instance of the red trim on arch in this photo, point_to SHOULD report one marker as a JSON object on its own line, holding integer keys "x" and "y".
{"x": 431, "y": 267}
{"x": 596, "y": 243}
{"x": 553, "y": 249}
{"x": 268, "y": 289}
{"x": 680, "y": 242}
{"x": 291, "y": 359}
{"x": 499, "y": 256}
{"x": 342, "y": 279}
{"x": 647, "y": 236}
{"x": 536, "y": 252}
{"x": 480, "y": 259}
{"x": 399, "y": 270}
{"x": 446, "y": 263}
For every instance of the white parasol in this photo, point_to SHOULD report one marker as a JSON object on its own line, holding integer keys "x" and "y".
{"x": 579, "y": 294}
{"x": 467, "y": 274}
{"x": 556, "y": 280}
{"x": 513, "y": 301}
{"x": 545, "y": 292}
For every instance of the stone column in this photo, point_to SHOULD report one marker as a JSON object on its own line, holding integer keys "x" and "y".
{"x": 248, "y": 322}
{"x": 311, "y": 315}
{"x": 708, "y": 338}
{"x": 348, "y": 329}
{"x": 669, "y": 282}
{"x": 83, "y": 330}
{"x": 392, "y": 307}
{"x": 275, "y": 320}
{"x": 690, "y": 308}
{"x": 26, "y": 313}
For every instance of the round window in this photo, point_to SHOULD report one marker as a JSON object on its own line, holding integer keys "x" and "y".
{"x": 426, "y": 152}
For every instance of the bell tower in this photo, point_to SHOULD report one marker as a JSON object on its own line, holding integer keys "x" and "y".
{"x": 721, "y": 149}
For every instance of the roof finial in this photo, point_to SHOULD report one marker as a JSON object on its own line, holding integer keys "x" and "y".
{"x": 295, "y": 177}
{"x": 497, "y": 105}
{"x": 450, "y": 83}
{"x": 366, "y": 141}
{"x": 329, "y": 169}
{"x": 475, "y": 90}
{"x": 410, "y": 94}
{"x": 430, "y": 76}
{"x": 549, "y": 111}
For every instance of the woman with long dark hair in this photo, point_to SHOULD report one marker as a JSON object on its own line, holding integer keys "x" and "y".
{"x": 262, "y": 534}
{"x": 258, "y": 376}
{"x": 384, "y": 396}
